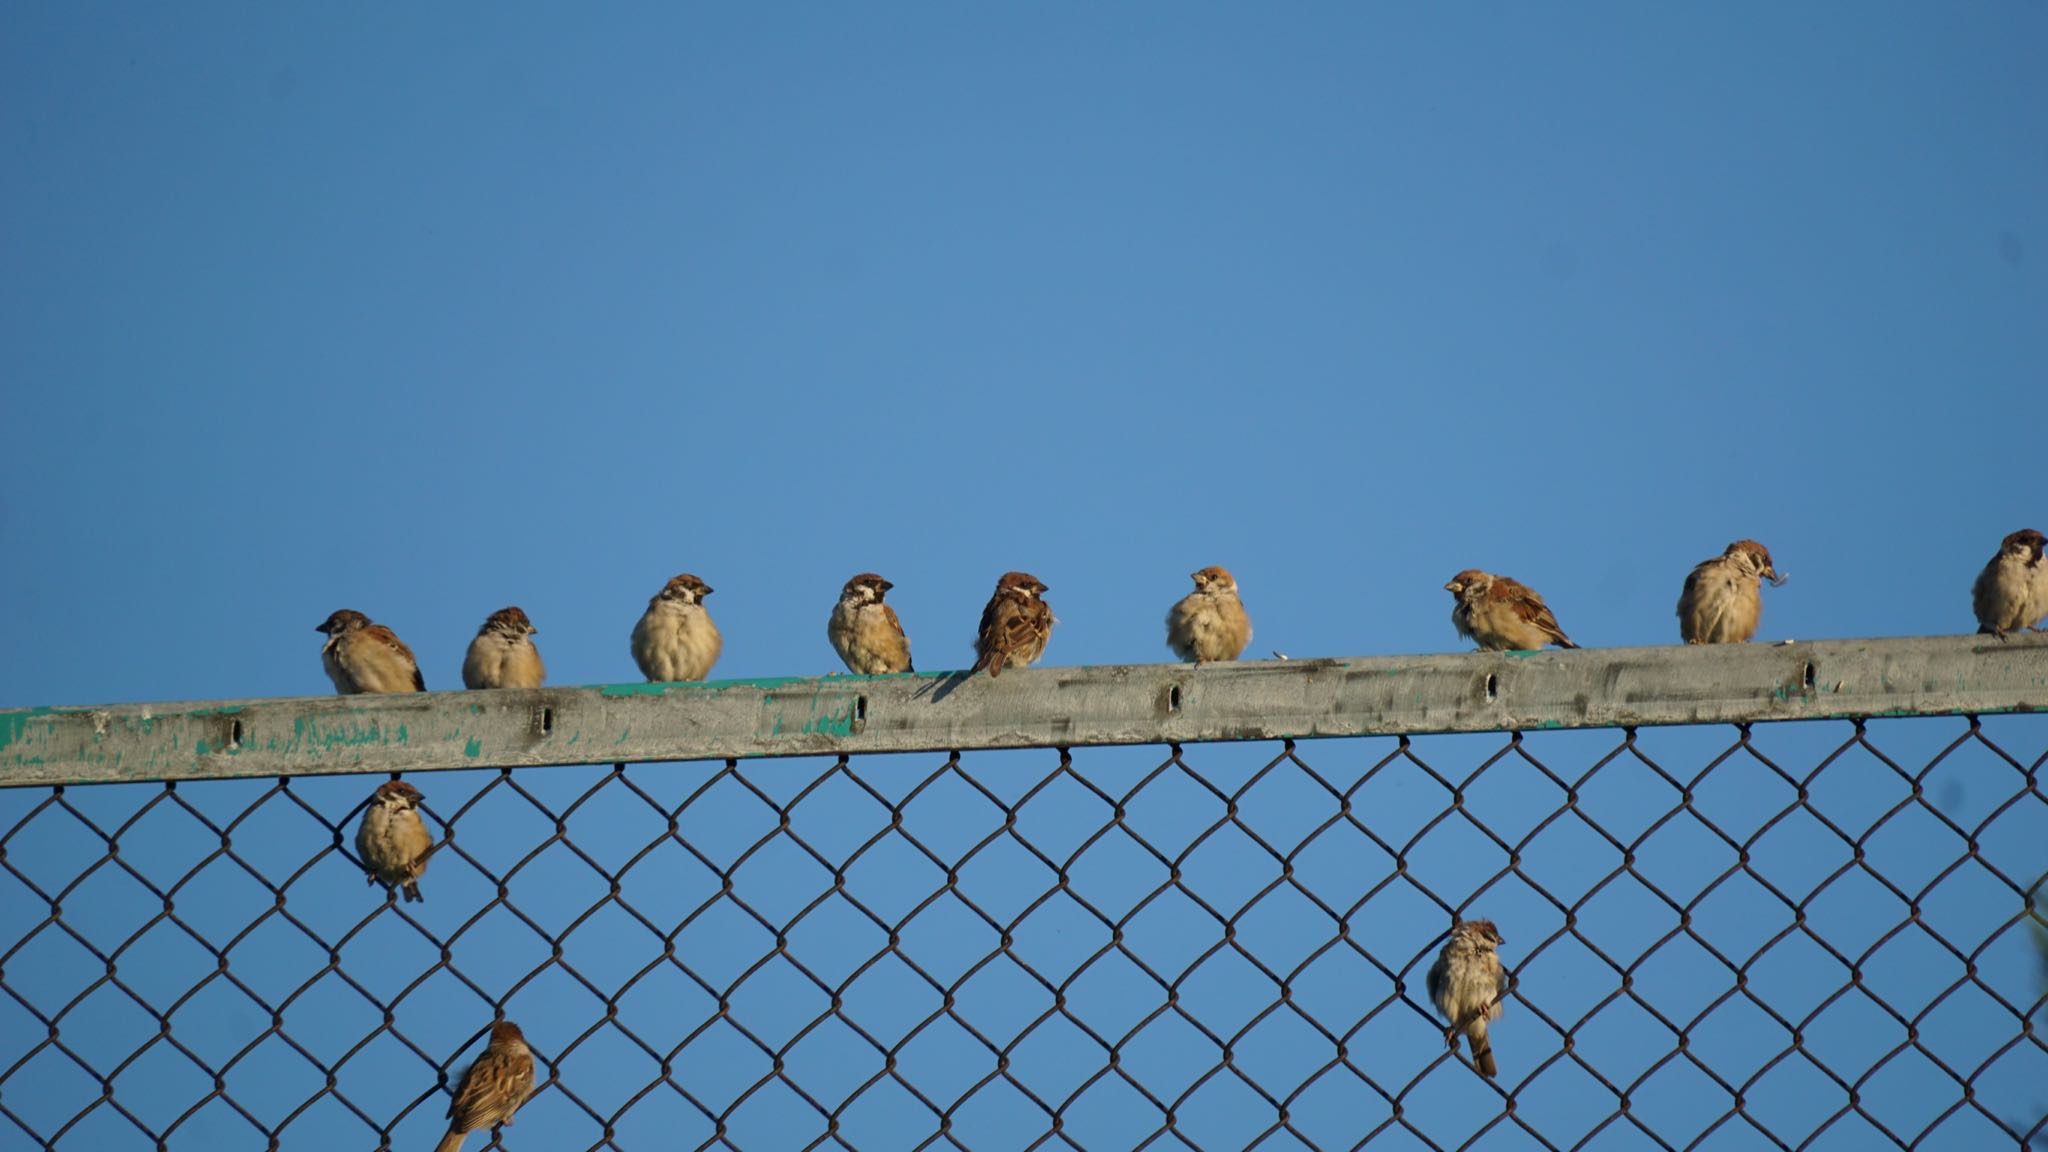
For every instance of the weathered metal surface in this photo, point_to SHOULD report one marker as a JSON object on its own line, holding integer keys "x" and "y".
{"x": 1108, "y": 704}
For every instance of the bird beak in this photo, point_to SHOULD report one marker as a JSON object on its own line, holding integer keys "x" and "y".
{"x": 886, "y": 585}
{"x": 1451, "y": 587}
{"x": 1778, "y": 578}
{"x": 532, "y": 631}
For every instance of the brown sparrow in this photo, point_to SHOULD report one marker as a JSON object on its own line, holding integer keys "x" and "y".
{"x": 1723, "y": 597}
{"x": 1015, "y": 625}
{"x": 503, "y": 655}
{"x": 363, "y": 657}
{"x": 865, "y": 632}
{"x": 2012, "y": 591}
{"x": 675, "y": 639}
{"x": 1467, "y": 984}
{"x": 392, "y": 839}
{"x": 1502, "y": 613}
{"x": 493, "y": 1088}
{"x": 1210, "y": 622}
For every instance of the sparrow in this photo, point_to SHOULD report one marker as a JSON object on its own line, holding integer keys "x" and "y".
{"x": 503, "y": 655}
{"x": 1015, "y": 625}
{"x": 392, "y": 840}
{"x": 493, "y": 1088}
{"x": 2012, "y": 591}
{"x": 1210, "y": 622}
{"x": 865, "y": 632}
{"x": 675, "y": 639}
{"x": 1502, "y": 613}
{"x": 1723, "y": 597}
{"x": 363, "y": 657}
{"x": 1467, "y": 984}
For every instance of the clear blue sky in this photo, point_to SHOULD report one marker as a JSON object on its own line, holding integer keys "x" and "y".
{"x": 426, "y": 312}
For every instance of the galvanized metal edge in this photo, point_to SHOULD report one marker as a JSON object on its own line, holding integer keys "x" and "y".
{"x": 1104, "y": 704}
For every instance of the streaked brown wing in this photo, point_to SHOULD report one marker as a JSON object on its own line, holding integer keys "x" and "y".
{"x": 1009, "y": 624}
{"x": 386, "y": 638}
{"x": 1525, "y": 603}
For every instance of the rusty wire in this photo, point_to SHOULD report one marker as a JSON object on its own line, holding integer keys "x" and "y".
{"x": 1800, "y": 936}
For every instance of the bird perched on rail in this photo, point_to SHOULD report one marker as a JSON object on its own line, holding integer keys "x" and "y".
{"x": 503, "y": 655}
{"x": 865, "y": 631}
{"x": 1501, "y": 613}
{"x": 1467, "y": 984}
{"x": 2012, "y": 591}
{"x": 493, "y": 1088}
{"x": 1014, "y": 627}
{"x": 393, "y": 841}
{"x": 675, "y": 639}
{"x": 1723, "y": 597}
{"x": 363, "y": 657}
{"x": 1209, "y": 623}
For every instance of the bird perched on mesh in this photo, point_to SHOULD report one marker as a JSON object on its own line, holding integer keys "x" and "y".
{"x": 493, "y": 1088}
{"x": 675, "y": 638}
{"x": 1501, "y": 613}
{"x": 2011, "y": 592}
{"x": 1467, "y": 984}
{"x": 1014, "y": 627}
{"x": 865, "y": 632}
{"x": 1723, "y": 597}
{"x": 503, "y": 655}
{"x": 392, "y": 840}
{"x": 1209, "y": 623}
{"x": 363, "y": 657}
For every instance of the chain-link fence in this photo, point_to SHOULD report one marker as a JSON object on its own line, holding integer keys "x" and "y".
{"x": 1812, "y": 935}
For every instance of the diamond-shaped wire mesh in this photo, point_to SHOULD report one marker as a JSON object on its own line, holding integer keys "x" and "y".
{"x": 1803, "y": 935}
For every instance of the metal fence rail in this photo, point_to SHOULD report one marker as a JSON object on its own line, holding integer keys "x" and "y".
{"x": 1721, "y": 934}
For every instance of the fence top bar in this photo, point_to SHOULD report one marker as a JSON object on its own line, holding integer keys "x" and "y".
{"x": 1104, "y": 704}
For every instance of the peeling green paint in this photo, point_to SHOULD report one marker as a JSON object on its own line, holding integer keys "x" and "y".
{"x": 657, "y": 689}
{"x": 714, "y": 687}
{"x": 12, "y": 725}
{"x": 474, "y": 748}
{"x": 831, "y": 723}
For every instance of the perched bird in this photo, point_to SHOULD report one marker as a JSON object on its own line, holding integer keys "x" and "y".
{"x": 363, "y": 657}
{"x": 675, "y": 639}
{"x": 503, "y": 655}
{"x": 1210, "y": 622}
{"x": 2012, "y": 591}
{"x": 493, "y": 1088}
{"x": 1723, "y": 597}
{"x": 1015, "y": 625}
{"x": 1467, "y": 985}
{"x": 865, "y": 632}
{"x": 1502, "y": 613}
{"x": 392, "y": 839}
